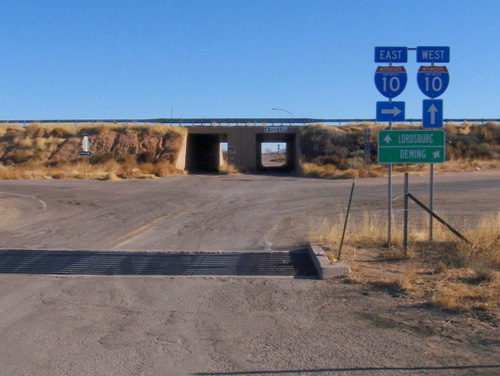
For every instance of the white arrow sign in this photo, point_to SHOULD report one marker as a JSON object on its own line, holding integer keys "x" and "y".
{"x": 432, "y": 109}
{"x": 387, "y": 139}
{"x": 391, "y": 111}
{"x": 436, "y": 154}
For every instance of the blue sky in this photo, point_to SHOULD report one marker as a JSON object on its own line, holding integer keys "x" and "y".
{"x": 85, "y": 59}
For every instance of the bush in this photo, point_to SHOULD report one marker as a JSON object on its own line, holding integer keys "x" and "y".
{"x": 147, "y": 156}
{"x": 319, "y": 141}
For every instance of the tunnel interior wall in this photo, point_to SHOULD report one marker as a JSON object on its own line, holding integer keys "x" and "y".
{"x": 203, "y": 153}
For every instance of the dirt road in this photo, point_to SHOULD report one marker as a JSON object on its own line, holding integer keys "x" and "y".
{"x": 123, "y": 325}
{"x": 237, "y": 212}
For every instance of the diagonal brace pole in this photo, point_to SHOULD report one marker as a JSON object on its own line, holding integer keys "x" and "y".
{"x": 442, "y": 221}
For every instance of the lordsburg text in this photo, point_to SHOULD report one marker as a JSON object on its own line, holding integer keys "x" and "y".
{"x": 416, "y": 138}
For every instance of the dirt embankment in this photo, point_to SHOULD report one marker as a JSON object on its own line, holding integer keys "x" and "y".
{"x": 122, "y": 150}
{"x": 351, "y": 151}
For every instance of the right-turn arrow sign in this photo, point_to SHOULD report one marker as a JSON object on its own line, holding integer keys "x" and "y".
{"x": 390, "y": 111}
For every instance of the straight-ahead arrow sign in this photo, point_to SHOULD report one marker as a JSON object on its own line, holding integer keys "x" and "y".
{"x": 432, "y": 113}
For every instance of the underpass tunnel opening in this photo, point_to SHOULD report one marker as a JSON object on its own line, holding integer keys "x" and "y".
{"x": 276, "y": 152}
{"x": 224, "y": 150}
{"x": 273, "y": 154}
{"x": 204, "y": 152}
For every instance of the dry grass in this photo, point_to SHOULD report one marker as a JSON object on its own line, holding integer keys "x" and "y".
{"x": 228, "y": 168}
{"x": 330, "y": 171}
{"x": 337, "y": 152}
{"x": 110, "y": 170}
{"x": 27, "y": 152}
{"x": 447, "y": 273}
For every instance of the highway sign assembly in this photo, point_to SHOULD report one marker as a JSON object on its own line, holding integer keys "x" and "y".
{"x": 429, "y": 54}
{"x": 390, "y": 80}
{"x": 411, "y": 146}
{"x": 432, "y": 113}
{"x": 433, "y": 80}
{"x": 391, "y": 54}
{"x": 390, "y": 111}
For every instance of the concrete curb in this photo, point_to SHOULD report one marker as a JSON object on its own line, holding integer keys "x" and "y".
{"x": 325, "y": 268}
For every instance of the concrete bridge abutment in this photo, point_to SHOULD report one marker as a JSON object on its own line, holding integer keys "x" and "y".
{"x": 202, "y": 150}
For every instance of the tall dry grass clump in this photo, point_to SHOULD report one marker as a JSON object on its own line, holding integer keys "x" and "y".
{"x": 228, "y": 168}
{"x": 484, "y": 249}
{"x": 447, "y": 273}
{"x": 368, "y": 230}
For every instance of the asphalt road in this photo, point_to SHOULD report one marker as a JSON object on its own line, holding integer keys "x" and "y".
{"x": 137, "y": 325}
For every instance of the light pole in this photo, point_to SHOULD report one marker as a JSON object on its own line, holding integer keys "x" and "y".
{"x": 282, "y": 109}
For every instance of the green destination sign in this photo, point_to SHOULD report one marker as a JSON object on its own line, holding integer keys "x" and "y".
{"x": 413, "y": 146}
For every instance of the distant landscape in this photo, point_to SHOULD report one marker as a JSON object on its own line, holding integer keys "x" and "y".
{"x": 41, "y": 151}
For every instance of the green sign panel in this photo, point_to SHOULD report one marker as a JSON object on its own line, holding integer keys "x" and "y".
{"x": 413, "y": 146}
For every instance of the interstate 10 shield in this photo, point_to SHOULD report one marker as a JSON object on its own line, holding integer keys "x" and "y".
{"x": 433, "y": 80}
{"x": 390, "y": 80}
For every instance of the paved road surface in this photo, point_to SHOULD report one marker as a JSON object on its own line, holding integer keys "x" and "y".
{"x": 136, "y": 325}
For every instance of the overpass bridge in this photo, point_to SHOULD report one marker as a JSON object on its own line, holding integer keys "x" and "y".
{"x": 239, "y": 121}
{"x": 202, "y": 148}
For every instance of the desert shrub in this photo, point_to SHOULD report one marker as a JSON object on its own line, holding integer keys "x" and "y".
{"x": 318, "y": 140}
{"x": 343, "y": 165}
{"x": 323, "y": 160}
{"x": 147, "y": 167}
{"x": 19, "y": 156}
{"x": 147, "y": 156}
{"x": 164, "y": 168}
{"x": 355, "y": 163}
{"x": 57, "y": 132}
{"x": 101, "y": 158}
{"x": 24, "y": 142}
{"x": 35, "y": 130}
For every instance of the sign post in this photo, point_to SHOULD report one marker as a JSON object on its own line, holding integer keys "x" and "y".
{"x": 433, "y": 81}
{"x": 390, "y": 81}
{"x": 85, "y": 153}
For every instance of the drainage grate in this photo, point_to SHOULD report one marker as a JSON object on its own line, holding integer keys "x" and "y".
{"x": 294, "y": 263}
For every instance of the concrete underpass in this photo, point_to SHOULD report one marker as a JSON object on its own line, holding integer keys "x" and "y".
{"x": 202, "y": 150}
